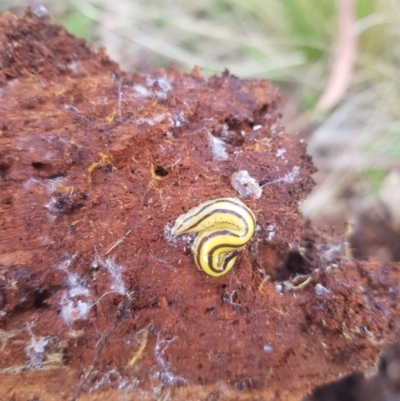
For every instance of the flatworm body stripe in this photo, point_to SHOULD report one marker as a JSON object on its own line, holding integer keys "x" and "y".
{"x": 224, "y": 225}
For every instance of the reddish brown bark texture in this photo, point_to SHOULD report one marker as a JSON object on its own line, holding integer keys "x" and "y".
{"x": 98, "y": 301}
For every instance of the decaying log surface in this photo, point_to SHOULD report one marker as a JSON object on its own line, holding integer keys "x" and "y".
{"x": 99, "y": 301}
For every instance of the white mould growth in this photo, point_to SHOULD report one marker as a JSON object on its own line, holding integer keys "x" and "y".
{"x": 115, "y": 271}
{"x": 50, "y": 184}
{"x": 171, "y": 239}
{"x": 188, "y": 238}
{"x": 150, "y": 81}
{"x": 74, "y": 66}
{"x": 166, "y": 377}
{"x": 164, "y": 84}
{"x": 268, "y": 348}
{"x": 257, "y": 127}
{"x": 321, "y": 290}
{"x": 51, "y": 206}
{"x": 141, "y": 90}
{"x": 245, "y": 185}
{"x": 272, "y": 229}
{"x": 72, "y": 310}
{"x": 164, "y": 262}
{"x": 77, "y": 285}
{"x": 217, "y": 148}
{"x": 289, "y": 177}
{"x": 36, "y": 349}
{"x": 273, "y": 129}
{"x": 178, "y": 119}
{"x": 237, "y": 153}
{"x": 73, "y": 307}
{"x": 332, "y": 253}
{"x": 228, "y": 297}
{"x": 280, "y": 153}
{"x": 45, "y": 240}
{"x": 63, "y": 266}
{"x": 287, "y": 285}
{"x": 153, "y": 121}
{"x": 111, "y": 379}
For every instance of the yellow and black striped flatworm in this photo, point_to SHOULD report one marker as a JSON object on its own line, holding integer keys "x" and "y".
{"x": 224, "y": 225}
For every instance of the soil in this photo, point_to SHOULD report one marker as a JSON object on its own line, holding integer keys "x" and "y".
{"x": 99, "y": 301}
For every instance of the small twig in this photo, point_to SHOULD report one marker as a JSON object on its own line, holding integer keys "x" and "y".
{"x": 174, "y": 164}
{"x": 117, "y": 242}
{"x": 143, "y": 334}
{"x": 265, "y": 280}
{"x": 302, "y": 285}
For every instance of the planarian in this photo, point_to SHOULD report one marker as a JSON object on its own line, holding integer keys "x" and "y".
{"x": 224, "y": 225}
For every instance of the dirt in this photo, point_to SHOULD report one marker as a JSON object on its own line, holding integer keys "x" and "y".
{"x": 99, "y": 301}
